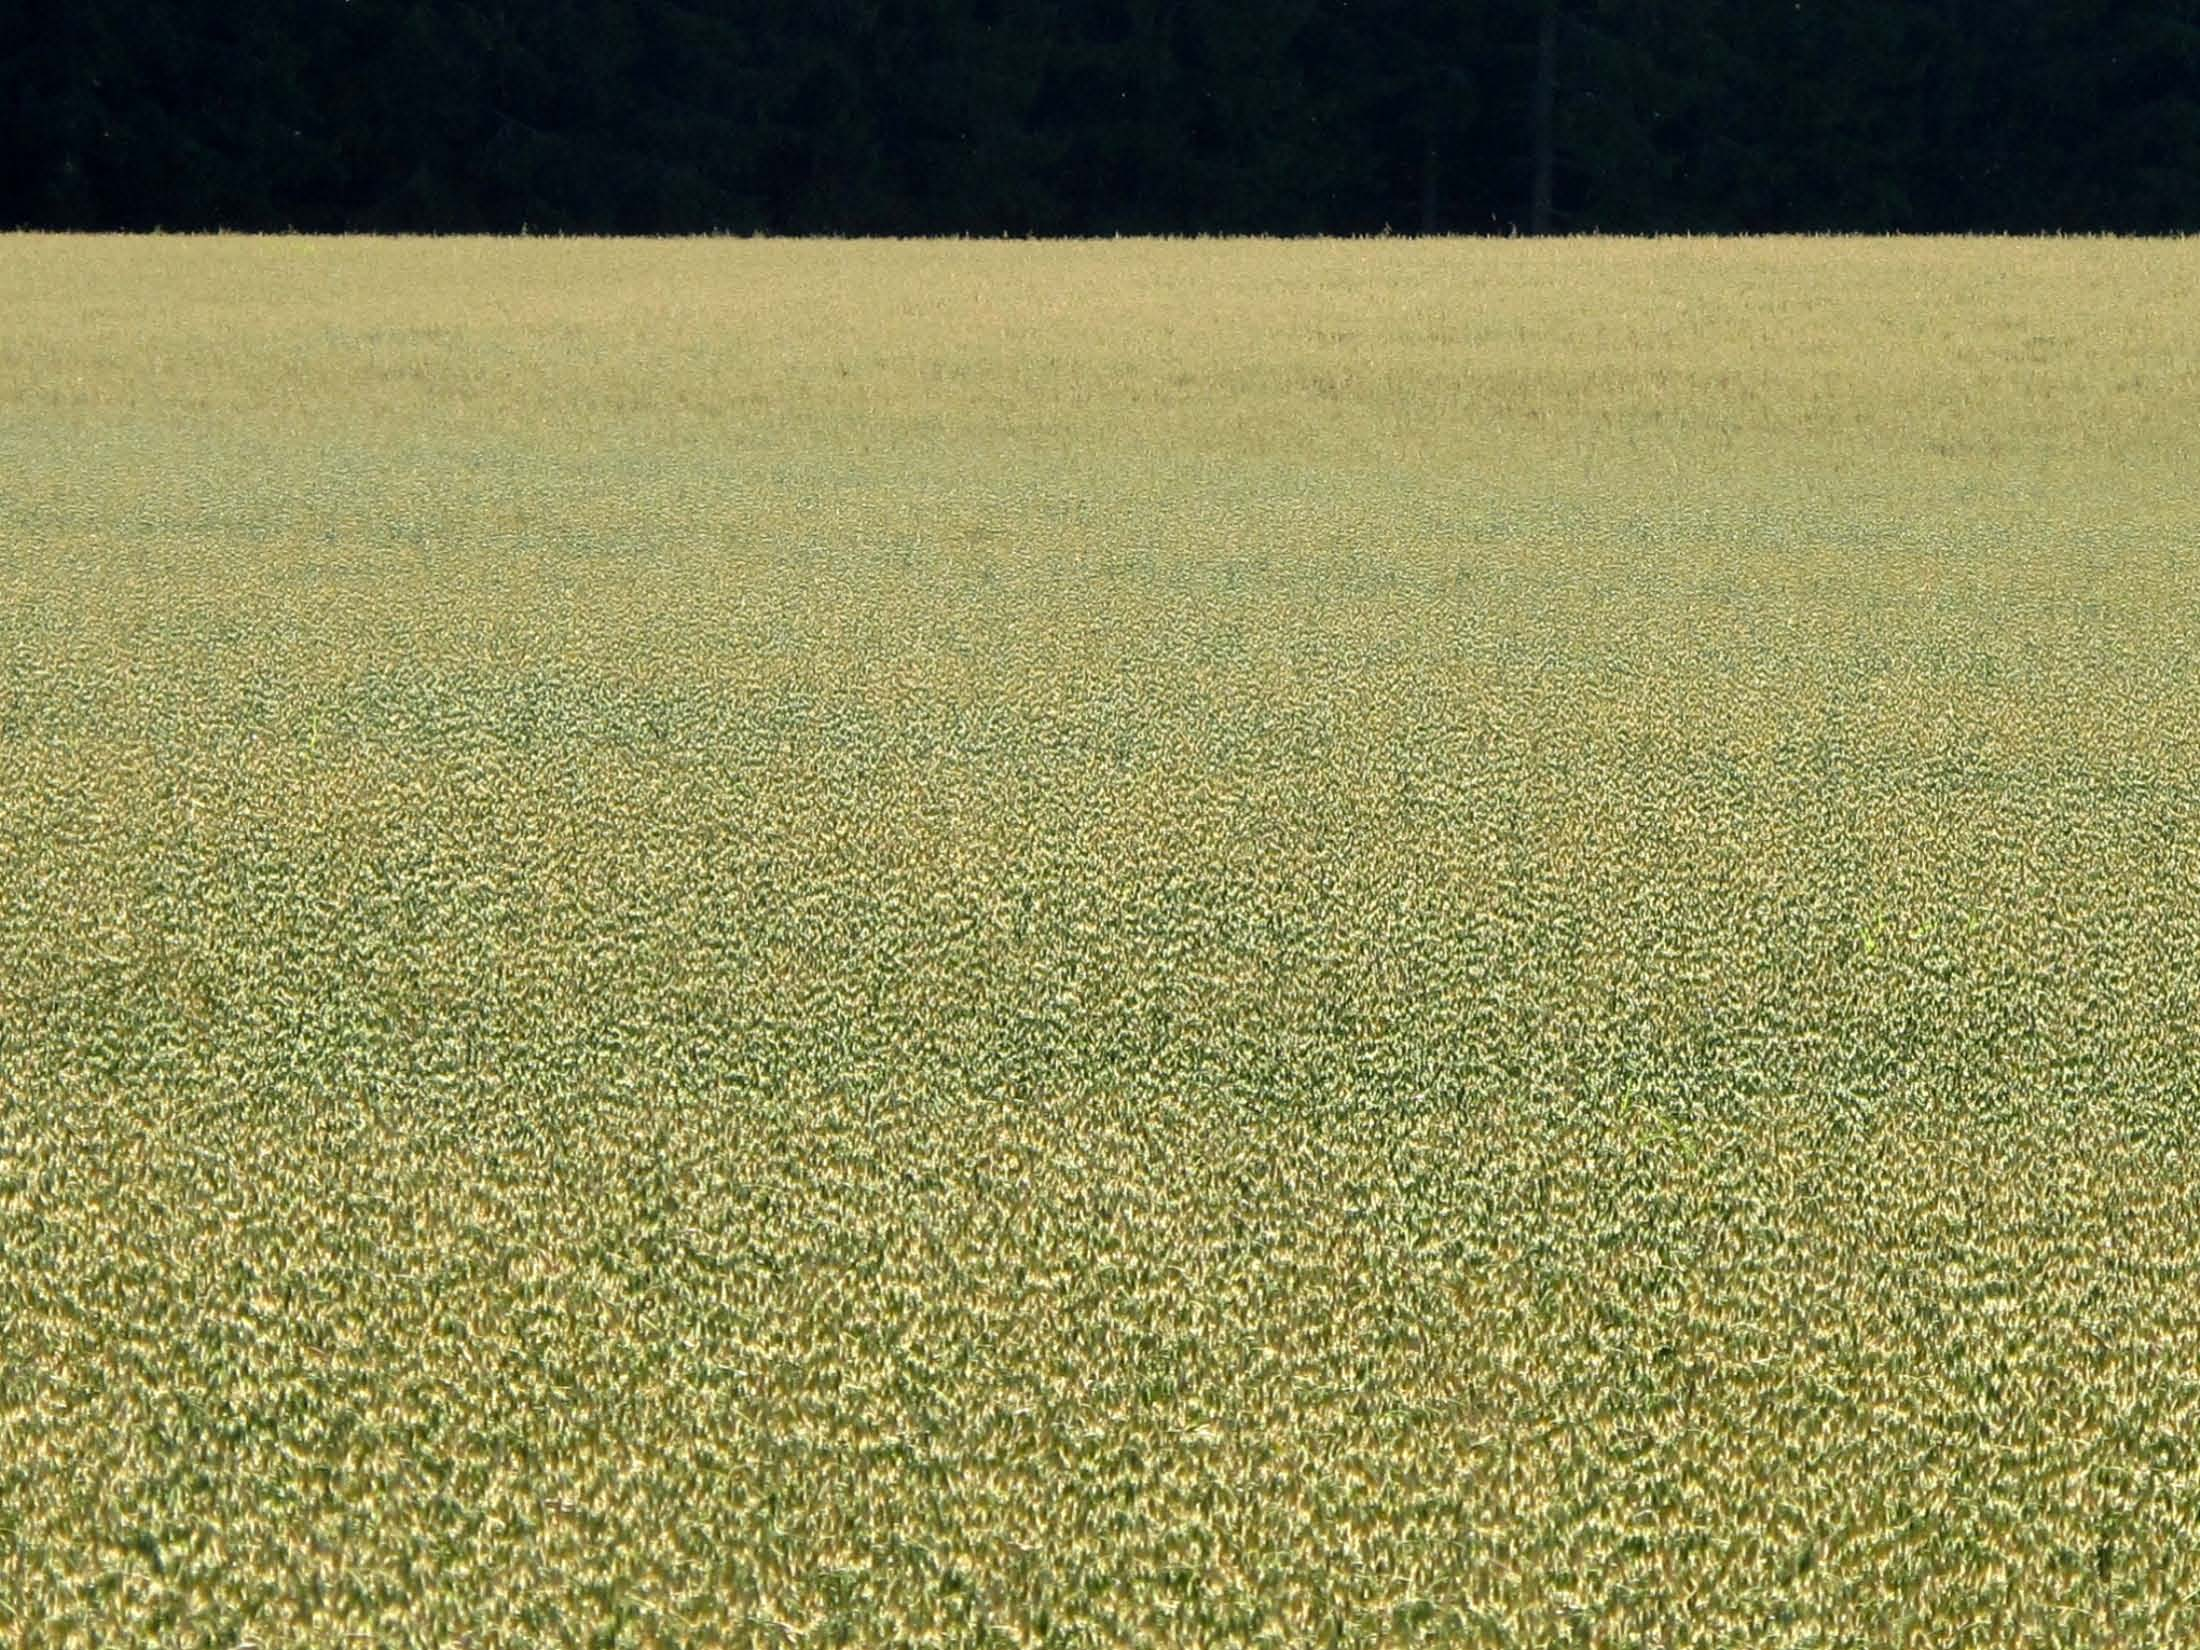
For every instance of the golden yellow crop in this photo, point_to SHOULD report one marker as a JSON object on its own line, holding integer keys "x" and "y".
{"x": 1207, "y": 943}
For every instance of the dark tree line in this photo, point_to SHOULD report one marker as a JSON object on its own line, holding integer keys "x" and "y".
{"x": 1091, "y": 116}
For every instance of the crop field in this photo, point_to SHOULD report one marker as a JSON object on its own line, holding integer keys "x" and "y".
{"x": 1197, "y": 943}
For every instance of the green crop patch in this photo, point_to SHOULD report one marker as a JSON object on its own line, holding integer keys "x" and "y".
{"x": 723, "y": 943}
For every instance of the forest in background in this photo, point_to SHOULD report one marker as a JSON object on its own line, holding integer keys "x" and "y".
{"x": 1041, "y": 117}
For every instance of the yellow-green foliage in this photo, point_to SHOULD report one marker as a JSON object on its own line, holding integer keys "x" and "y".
{"x": 726, "y": 944}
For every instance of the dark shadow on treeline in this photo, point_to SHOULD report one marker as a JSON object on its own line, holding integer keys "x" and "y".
{"x": 1099, "y": 116}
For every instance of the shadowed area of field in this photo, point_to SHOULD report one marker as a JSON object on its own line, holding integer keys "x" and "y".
{"x": 1141, "y": 942}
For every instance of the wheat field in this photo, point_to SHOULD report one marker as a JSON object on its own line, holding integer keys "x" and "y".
{"x": 743, "y": 943}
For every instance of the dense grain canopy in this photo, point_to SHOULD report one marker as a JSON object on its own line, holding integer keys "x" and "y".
{"x": 1135, "y": 943}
